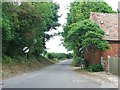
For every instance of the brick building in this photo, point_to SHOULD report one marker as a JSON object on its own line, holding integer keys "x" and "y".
{"x": 108, "y": 23}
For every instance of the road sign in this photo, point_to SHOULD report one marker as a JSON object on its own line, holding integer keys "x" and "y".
{"x": 26, "y": 50}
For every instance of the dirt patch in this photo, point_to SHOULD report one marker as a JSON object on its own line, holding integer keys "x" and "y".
{"x": 92, "y": 75}
{"x": 17, "y": 68}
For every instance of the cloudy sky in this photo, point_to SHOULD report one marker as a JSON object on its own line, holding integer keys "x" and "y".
{"x": 54, "y": 44}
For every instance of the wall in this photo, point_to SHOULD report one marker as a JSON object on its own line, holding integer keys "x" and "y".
{"x": 93, "y": 56}
{"x": 113, "y": 52}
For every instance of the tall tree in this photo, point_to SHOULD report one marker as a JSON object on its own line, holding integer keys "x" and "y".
{"x": 80, "y": 32}
{"x": 26, "y": 25}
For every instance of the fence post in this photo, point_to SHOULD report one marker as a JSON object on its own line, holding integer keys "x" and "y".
{"x": 102, "y": 63}
{"x": 108, "y": 64}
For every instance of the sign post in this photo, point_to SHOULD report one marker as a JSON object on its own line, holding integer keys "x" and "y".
{"x": 26, "y": 50}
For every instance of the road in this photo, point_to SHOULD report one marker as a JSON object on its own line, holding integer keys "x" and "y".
{"x": 59, "y": 75}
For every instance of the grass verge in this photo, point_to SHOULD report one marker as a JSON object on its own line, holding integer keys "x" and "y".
{"x": 17, "y": 67}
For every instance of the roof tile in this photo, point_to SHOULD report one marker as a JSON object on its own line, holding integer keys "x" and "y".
{"x": 107, "y": 22}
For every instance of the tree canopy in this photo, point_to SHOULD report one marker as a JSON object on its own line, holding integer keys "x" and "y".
{"x": 26, "y": 25}
{"x": 80, "y": 33}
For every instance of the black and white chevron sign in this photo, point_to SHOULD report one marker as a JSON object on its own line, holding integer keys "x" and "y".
{"x": 25, "y": 49}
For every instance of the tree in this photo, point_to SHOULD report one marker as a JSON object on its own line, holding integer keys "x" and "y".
{"x": 81, "y": 10}
{"x": 58, "y": 56}
{"x": 26, "y": 25}
{"x": 80, "y": 33}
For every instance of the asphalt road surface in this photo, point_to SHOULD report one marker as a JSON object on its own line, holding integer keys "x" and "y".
{"x": 59, "y": 75}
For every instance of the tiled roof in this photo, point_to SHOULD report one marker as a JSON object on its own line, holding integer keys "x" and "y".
{"x": 108, "y": 23}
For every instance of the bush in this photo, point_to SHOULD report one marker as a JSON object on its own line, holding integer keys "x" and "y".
{"x": 77, "y": 61}
{"x": 95, "y": 68}
{"x": 50, "y": 56}
{"x": 58, "y": 56}
{"x": 6, "y": 59}
{"x": 69, "y": 56}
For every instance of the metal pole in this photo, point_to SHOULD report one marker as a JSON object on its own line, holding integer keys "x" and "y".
{"x": 26, "y": 56}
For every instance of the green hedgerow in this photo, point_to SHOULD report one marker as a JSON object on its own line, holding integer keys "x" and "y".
{"x": 95, "y": 68}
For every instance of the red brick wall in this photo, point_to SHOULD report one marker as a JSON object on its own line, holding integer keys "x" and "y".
{"x": 113, "y": 52}
{"x": 93, "y": 57}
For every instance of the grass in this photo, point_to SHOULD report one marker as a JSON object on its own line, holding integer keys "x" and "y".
{"x": 20, "y": 65}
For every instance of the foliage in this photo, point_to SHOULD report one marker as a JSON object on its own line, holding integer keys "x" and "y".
{"x": 26, "y": 25}
{"x": 77, "y": 61}
{"x": 95, "y": 68}
{"x": 80, "y": 32}
{"x": 50, "y": 56}
{"x": 84, "y": 34}
{"x": 69, "y": 56}
{"x": 7, "y": 59}
{"x": 59, "y": 56}
{"x": 81, "y": 10}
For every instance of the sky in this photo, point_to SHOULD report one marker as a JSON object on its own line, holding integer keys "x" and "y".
{"x": 54, "y": 44}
